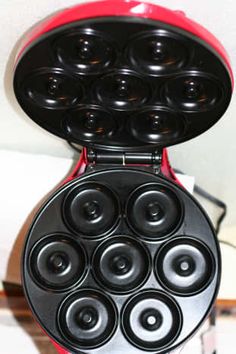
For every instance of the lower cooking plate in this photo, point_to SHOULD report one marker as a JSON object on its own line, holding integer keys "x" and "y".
{"x": 121, "y": 260}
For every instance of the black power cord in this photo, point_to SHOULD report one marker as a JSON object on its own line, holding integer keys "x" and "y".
{"x": 219, "y": 203}
{"x": 214, "y": 200}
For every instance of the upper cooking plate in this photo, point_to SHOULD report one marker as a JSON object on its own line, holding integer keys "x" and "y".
{"x": 122, "y": 82}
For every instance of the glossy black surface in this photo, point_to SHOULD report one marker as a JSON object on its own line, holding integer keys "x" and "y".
{"x": 184, "y": 266}
{"x": 58, "y": 262}
{"x": 121, "y": 264}
{"x": 151, "y": 320}
{"x": 141, "y": 287}
{"x": 91, "y": 209}
{"x": 87, "y": 318}
{"x": 122, "y": 84}
{"x": 154, "y": 211}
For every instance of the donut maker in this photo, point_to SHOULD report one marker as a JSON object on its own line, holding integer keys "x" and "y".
{"x": 121, "y": 259}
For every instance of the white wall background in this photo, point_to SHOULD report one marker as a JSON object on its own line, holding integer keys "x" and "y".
{"x": 210, "y": 157}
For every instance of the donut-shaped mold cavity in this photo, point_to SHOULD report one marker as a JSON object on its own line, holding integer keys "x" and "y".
{"x": 121, "y": 264}
{"x": 87, "y": 318}
{"x": 151, "y": 320}
{"x": 154, "y": 211}
{"x": 157, "y": 125}
{"x": 194, "y": 92}
{"x": 89, "y": 124}
{"x": 85, "y": 52}
{"x": 157, "y": 53}
{"x": 184, "y": 266}
{"x": 57, "y": 262}
{"x": 91, "y": 209}
{"x": 122, "y": 91}
{"x": 54, "y": 89}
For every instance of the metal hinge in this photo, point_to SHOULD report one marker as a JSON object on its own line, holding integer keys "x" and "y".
{"x": 123, "y": 158}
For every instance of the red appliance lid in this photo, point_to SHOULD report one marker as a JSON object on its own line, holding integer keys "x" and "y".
{"x": 128, "y": 81}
